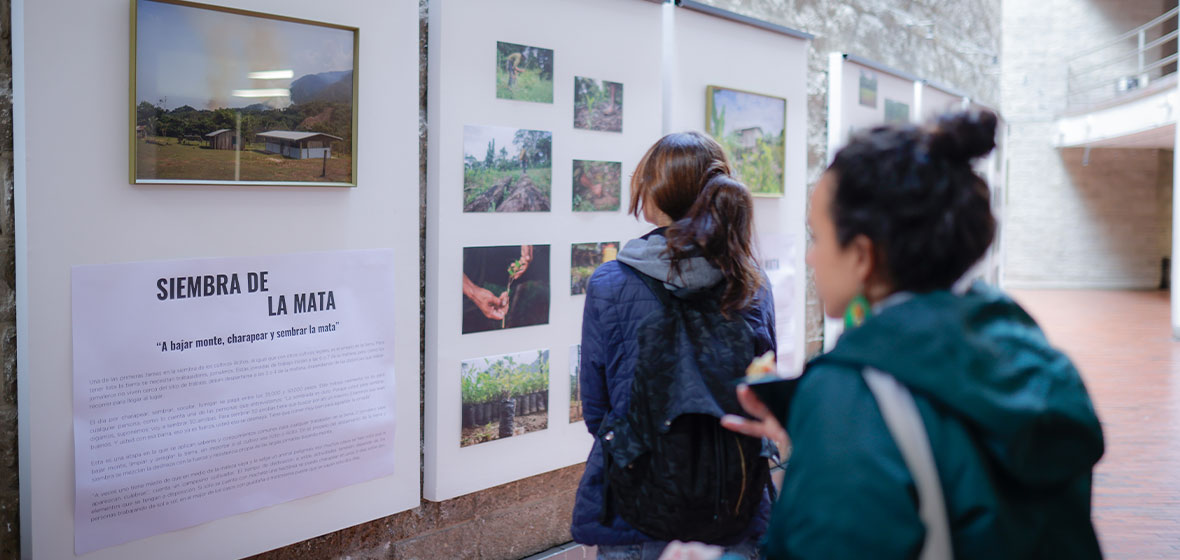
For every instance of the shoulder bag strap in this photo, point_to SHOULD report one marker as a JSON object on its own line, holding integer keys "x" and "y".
{"x": 905, "y": 425}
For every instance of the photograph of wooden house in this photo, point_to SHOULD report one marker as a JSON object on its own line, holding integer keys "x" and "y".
{"x": 225, "y": 96}
{"x": 751, "y": 127}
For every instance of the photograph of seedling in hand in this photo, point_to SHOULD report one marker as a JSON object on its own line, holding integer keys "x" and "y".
{"x": 505, "y": 287}
{"x": 598, "y": 104}
{"x": 524, "y": 73}
{"x": 504, "y": 396}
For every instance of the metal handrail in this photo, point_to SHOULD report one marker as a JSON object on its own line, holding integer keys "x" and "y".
{"x": 1126, "y": 55}
{"x": 1084, "y": 79}
{"x": 1166, "y": 16}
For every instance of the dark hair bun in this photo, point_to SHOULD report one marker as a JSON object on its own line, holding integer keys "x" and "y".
{"x": 963, "y": 136}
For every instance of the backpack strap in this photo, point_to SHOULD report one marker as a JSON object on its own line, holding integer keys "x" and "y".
{"x": 654, "y": 285}
{"x": 905, "y": 425}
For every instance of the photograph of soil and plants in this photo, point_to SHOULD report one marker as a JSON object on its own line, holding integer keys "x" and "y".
{"x": 504, "y": 396}
{"x": 896, "y": 112}
{"x": 598, "y": 104}
{"x": 598, "y": 185}
{"x": 585, "y": 258}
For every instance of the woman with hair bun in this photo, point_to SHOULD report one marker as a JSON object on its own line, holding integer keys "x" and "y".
{"x": 701, "y": 248}
{"x": 998, "y": 458}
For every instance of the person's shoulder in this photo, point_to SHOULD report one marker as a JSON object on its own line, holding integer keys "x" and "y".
{"x": 609, "y": 275}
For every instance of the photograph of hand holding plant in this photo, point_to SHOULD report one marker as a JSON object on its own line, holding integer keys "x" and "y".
{"x": 505, "y": 287}
{"x": 504, "y": 396}
{"x": 752, "y": 129}
{"x": 506, "y": 169}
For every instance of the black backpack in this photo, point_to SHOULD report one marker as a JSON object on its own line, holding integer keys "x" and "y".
{"x": 671, "y": 470}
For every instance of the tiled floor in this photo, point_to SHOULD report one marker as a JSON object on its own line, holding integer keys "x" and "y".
{"x": 1122, "y": 344}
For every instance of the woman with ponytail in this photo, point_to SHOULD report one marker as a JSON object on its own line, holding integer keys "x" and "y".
{"x": 944, "y": 425}
{"x": 701, "y": 248}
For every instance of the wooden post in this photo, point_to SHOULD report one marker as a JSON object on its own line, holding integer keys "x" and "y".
{"x": 324, "y": 173}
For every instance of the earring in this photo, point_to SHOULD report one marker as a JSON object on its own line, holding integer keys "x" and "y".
{"x": 858, "y": 311}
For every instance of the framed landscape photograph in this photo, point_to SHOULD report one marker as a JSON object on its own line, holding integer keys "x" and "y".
{"x": 752, "y": 128}
{"x": 225, "y": 96}
{"x": 868, "y": 89}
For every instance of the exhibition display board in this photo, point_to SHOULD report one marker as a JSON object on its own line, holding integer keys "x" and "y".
{"x": 244, "y": 366}
{"x": 700, "y": 51}
{"x": 863, "y": 93}
{"x": 535, "y": 131}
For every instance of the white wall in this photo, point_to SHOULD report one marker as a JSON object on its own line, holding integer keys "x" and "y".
{"x": 1070, "y": 224}
{"x": 76, "y": 207}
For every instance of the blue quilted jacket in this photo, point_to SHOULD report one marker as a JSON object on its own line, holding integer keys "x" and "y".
{"x": 616, "y": 300}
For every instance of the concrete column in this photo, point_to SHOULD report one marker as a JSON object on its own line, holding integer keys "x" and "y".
{"x": 1175, "y": 270}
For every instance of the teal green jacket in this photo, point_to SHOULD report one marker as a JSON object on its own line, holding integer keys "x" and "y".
{"x": 1013, "y": 431}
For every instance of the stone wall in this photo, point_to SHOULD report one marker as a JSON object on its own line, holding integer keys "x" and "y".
{"x": 9, "y": 485}
{"x": 955, "y": 43}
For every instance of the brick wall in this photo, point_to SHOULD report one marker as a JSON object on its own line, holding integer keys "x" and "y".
{"x": 1100, "y": 223}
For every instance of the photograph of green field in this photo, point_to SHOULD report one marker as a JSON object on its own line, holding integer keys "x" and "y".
{"x": 575, "y": 383}
{"x": 598, "y": 104}
{"x": 868, "y": 89}
{"x": 504, "y": 396}
{"x": 506, "y": 169}
{"x": 221, "y": 96}
{"x": 751, "y": 127}
{"x": 597, "y": 185}
{"x": 896, "y": 112}
{"x": 524, "y": 73}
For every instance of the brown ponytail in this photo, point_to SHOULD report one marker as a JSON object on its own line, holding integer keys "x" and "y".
{"x": 687, "y": 176}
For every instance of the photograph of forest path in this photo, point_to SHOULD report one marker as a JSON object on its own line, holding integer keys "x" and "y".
{"x": 227, "y": 97}
{"x": 506, "y": 169}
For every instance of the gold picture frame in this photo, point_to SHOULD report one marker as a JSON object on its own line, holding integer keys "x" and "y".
{"x": 256, "y": 99}
{"x": 760, "y": 116}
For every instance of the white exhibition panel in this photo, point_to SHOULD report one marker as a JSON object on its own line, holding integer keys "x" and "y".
{"x": 463, "y": 42}
{"x": 855, "y": 116}
{"x": 77, "y": 208}
{"x": 773, "y": 64}
{"x": 936, "y": 101}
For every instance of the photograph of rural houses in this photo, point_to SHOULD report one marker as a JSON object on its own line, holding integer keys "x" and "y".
{"x": 222, "y": 96}
{"x": 752, "y": 129}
